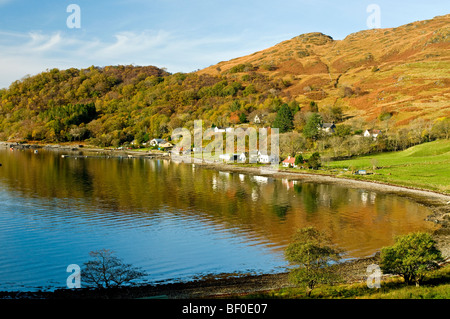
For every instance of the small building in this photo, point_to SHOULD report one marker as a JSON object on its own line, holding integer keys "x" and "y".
{"x": 253, "y": 156}
{"x": 243, "y": 157}
{"x": 229, "y": 157}
{"x": 328, "y": 127}
{"x": 257, "y": 117}
{"x": 157, "y": 141}
{"x": 266, "y": 159}
{"x": 289, "y": 162}
{"x": 219, "y": 129}
{"x": 372, "y": 133}
{"x": 376, "y": 133}
{"x": 166, "y": 145}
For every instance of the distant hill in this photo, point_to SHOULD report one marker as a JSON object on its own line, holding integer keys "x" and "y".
{"x": 400, "y": 74}
{"x": 403, "y": 71}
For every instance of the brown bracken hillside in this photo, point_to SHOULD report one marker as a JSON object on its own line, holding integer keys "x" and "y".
{"x": 403, "y": 71}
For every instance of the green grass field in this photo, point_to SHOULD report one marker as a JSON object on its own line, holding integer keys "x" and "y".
{"x": 424, "y": 166}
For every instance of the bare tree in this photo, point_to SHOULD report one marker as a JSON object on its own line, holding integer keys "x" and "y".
{"x": 107, "y": 270}
{"x": 374, "y": 163}
{"x": 336, "y": 143}
{"x": 291, "y": 143}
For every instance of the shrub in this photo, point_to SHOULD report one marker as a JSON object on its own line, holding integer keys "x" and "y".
{"x": 244, "y": 67}
{"x": 343, "y": 130}
{"x": 314, "y": 161}
{"x": 311, "y": 129}
{"x": 411, "y": 257}
{"x": 298, "y": 159}
{"x": 311, "y": 250}
{"x": 268, "y": 66}
{"x": 284, "y": 119}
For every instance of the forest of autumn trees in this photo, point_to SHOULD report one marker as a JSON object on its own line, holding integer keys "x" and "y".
{"x": 116, "y": 105}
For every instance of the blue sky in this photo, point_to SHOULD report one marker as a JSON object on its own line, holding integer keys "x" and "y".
{"x": 180, "y": 35}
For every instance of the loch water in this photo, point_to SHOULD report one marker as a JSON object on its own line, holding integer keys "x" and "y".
{"x": 176, "y": 221}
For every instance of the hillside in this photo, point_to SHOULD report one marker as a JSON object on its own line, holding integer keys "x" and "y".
{"x": 403, "y": 71}
{"x": 382, "y": 78}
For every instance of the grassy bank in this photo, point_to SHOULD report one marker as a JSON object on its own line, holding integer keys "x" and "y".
{"x": 436, "y": 286}
{"x": 425, "y": 166}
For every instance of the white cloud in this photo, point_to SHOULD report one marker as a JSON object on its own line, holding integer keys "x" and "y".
{"x": 42, "y": 43}
{"x": 27, "y": 53}
{"x": 127, "y": 43}
{"x": 30, "y": 53}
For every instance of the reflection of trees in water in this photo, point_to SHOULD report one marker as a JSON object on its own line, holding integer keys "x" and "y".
{"x": 281, "y": 210}
{"x": 281, "y": 201}
{"x": 46, "y": 174}
{"x": 309, "y": 197}
{"x": 82, "y": 178}
{"x": 274, "y": 208}
{"x": 316, "y": 196}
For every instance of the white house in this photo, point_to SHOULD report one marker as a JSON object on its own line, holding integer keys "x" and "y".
{"x": 257, "y": 117}
{"x": 376, "y": 133}
{"x": 229, "y": 157}
{"x": 218, "y": 129}
{"x": 157, "y": 142}
{"x": 328, "y": 127}
{"x": 253, "y": 156}
{"x": 243, "y": 157}
{"x": 266, "y": 159}
{"x": 372, "y": 133}
{"x": 289, "y": 162}
{"x": 166, "y": 145}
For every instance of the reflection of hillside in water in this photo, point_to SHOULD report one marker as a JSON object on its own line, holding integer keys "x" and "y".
{"x": 359, "y": 221}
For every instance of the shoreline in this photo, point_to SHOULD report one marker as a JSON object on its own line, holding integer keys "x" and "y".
{"x": 216, "y": 287}
{"x": 438, "y": 203}
{"x": 354, "y": 270}
{"x": 239, "y": 168}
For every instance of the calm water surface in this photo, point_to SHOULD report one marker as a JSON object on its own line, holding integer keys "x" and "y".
{"x": 176, "y": 221}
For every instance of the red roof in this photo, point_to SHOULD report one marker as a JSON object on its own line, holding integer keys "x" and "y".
{"x": 290, "y": 160}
